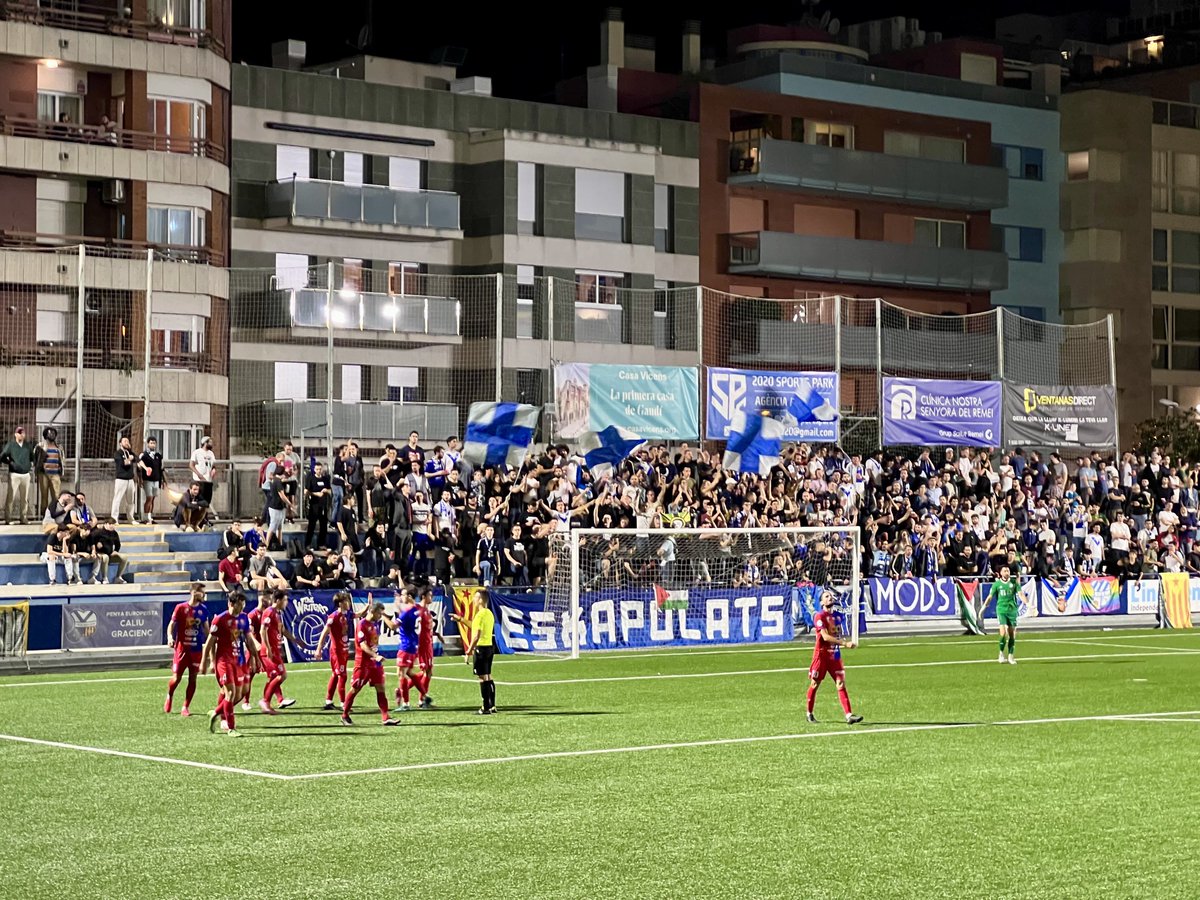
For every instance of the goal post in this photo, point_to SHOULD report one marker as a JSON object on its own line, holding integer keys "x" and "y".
{"x": 610, "y": 588}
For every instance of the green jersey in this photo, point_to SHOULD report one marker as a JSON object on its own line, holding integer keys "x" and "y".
{"x": 1005, "y": 595}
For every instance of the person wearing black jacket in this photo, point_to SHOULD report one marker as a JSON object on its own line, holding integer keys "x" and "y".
{"x": 106, "y": 542}
{"x": 306, "y": 574}
{"x": 345, "y": 520}
{"x": 376, "y": 551}
{"x": 402, "y": 524}
{"x": 318, "y": 488}
{"x": 379, "y": 497}
{"x": 124, "y": 490}
{"x": 150, "y": 473}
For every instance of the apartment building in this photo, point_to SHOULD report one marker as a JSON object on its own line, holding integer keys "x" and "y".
{"x": 114, "y": 135}
{"x": 457, "y": 226}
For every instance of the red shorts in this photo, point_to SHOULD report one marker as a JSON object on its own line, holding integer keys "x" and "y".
{"x": 426, "y": 663}
{"x": 370, "y": 672}
{"x": 270, "y": 667}
{"x": 405, "y": 661}
{"x": 826, "y": 665}
{"x": 227, "y": 672}
{"x": 185, "y": 659}
{"x": 245, "y": 671}
{"x": 337, "y": 662}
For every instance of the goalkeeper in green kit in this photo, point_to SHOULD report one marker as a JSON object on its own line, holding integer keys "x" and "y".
{"x": 1004, "y": 590}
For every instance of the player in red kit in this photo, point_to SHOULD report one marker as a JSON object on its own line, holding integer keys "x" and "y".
{"x": 271, "y": 633}
{"x": 827, "y": 656}
{"x": 225, "y": 638}
{"x": 368, "y": 665}
{"x": 255, "y": 619}
{"x": 428, "y": 631}
{"x": 335, "y": 632}
{"x": 187, "y": 632}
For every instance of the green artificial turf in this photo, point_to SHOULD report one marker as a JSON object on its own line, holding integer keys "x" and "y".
{"x": 1089, "y": 809}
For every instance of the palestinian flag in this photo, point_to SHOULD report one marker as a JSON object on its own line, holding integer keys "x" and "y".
{"x": 670, "y": 599}
{"x": 966, "y": 591}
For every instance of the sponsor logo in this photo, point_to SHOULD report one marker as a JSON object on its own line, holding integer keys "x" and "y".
{"x": 728, "y": 393}
{"x": 1035, "y": 401}
{"x": 902, "y": 402}
{"x": 81, "y": 623}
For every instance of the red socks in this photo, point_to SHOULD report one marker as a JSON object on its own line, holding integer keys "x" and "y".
{"x": 844, "y": 699}
{"x": 225, "y": 707}
{"x": 421, "y": 680}
{"x": 191, "y": 688}
{"x": 383, "y": 704}
{"x": 333, "y": 680}
{"x": 812, "y": 697}
{"x": 272, "y": 689}
{"x": 405, "y": 687}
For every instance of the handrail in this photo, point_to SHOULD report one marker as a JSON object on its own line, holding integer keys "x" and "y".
{"x": 106, "y": 20}
{"x": 64, "y": 355}
{"x": 344, "y": 184}
{"x": 126, "y": 138}
{"x": 116, "y": 248}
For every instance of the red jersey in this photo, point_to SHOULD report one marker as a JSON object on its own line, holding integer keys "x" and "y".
{"x": 273, "y": 639}
{"x": 425, "y": 637}
{"x": 189, "y": 626}
{"x": 255, "y": 617}
{"x": 366, "y": 642}
{"x": 224, "y": 626}
{"x": 337, "y": 633}
{"x": 831, "y": 622}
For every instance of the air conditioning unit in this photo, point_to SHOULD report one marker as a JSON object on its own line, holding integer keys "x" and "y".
{"x": 113, "y": 191}
{"x": 92, "y": 302}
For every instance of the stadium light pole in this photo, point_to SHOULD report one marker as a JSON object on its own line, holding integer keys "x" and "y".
{"x": 1112, "y": 374}
{"x": 499, "y": 336}
{"x": 329, "y": 360}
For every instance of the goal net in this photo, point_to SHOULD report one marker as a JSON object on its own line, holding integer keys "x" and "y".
{"x": 633, "y": 588}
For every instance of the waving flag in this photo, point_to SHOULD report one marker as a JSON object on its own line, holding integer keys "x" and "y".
{"x": 603, "y": 451}
{"x": 807, "y": 405}
{"x": 754, "y": 443}
{"x": 499, "y": 433}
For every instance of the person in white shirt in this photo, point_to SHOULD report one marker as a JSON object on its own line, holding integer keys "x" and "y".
{"x": 1093, "y": 545}
{"x": 1167, "y": 518}
{"x": 202, "y": 465}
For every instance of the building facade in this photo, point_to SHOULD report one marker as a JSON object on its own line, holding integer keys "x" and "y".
{"x": 114, "y": 136}
{"x": 456, "y": 226}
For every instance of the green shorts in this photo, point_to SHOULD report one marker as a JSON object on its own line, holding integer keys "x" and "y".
{"x": 1007, "y": 616}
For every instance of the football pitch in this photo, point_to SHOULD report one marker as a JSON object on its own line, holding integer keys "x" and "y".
{"x": 686, "y": 773}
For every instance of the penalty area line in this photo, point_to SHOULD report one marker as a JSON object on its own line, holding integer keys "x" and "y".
{"x": 103, "y": 751}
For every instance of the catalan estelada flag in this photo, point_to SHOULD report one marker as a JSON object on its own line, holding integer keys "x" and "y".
{"x": 1174, "y": 608}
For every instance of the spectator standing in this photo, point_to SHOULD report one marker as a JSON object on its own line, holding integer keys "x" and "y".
{"x": 150, "y": 472}
{"x": 48, "y": 466}
{"x": 291, "y": 478}
{"x": 18, "y": 456}
{"x": 278, "y": 505}
{"x": 124, "y": 490}
{"x": 318, "y": 488}
{"x": 202, "y": 466}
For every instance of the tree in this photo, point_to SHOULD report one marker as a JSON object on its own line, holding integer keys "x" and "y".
{"x": 1177, "y": 433}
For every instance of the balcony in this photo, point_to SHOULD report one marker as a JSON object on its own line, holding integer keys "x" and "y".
{"x": 114, "y": 19}
{"x": 332, "y": 207}
{"x": 12, "y": 126}
{"x": 879, "y": 176}
{"x": 113, "y": 248}
{"x": 368, "y": 420}
{"x": 376, "y": 313}
{"x": 834, "y": 259}
{"x": 599, "y": 323}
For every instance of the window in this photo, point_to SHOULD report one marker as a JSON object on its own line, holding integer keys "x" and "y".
{"x": 404, "y": 173}
{"x": 1159, "y": 186}
{"x": 1185, "y": 184}
{"x": 179, "y": 14}
{"x": 1183, "y": 264}
{"x": 291, "y": 381}
{"x": 1026, "y": 163}
{"x": 59, "y": 217}
{"x": 291, "y": 271}
{"x": 292, "y": 162}
{"x": 56, "y": 107}
{"x": 664, "y": 303}
{"x": 528, "y": 196}
{"x": 174, "y": 337}
{"x": 176, "y": 443}
{"x": 664, "y": 232}
{"x": 976, "y": 68}
{"x": 1024, "y": 244}
{"x": 404, "y": 278}
{"x": 351, "y": 384}
{"x": 175, "y": 226}
{"x": 925, "y": 146}
{"x": 353, "y": 276}
{"x": 352, "y": 168}
{"x": 51, "y": 326}
{"x": 180, "y": 122}
{"x": 1077, "y": 165}
{"x": 526, "y": 294}
{"x": 939, "y": 233}
{"x": 402, "y": 384}
{"x": 601, "y": 199}
{"x": 597, "y": 287}
{"x": 829, "y": 134}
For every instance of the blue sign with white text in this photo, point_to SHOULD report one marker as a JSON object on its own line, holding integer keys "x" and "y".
{"x": 912, "y": 596}
{"x": 937, "y": 411}
{"x": 806, "y": 402}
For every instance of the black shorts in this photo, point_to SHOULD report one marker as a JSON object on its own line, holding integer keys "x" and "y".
{"x": 483, "y": 660}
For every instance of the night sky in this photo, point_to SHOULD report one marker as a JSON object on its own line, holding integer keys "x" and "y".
{"x": 500, "y": 43}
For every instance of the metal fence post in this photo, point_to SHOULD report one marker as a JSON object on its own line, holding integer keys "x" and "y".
{"x": 548, "y": 393}
{"x": 837, "y": 341}
{"x": 499, "y": 336}
{"x": 79, "y": 326}
{"x": 148, "y": 347}
{"x": 1112, "y": 377}
{"x": 329, "y": 360}
{"x": 1000, "y": 342}
{"x": 879, "y": 368}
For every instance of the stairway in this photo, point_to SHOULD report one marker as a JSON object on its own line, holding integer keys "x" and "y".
{"x": 151, "y": 561}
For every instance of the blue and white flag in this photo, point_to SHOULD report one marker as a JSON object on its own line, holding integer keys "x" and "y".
{"x": 754, "y": 443}
{"x": 499, "y": 433}
{"x": 603, "y": 451}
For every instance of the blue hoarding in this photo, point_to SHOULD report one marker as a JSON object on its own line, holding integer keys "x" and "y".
{"x": 939, "y": 411}
{"x": 806, "y": 402}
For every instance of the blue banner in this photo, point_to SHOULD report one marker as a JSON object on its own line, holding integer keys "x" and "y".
{"x": 806, "y": 402}
{"x": 925, "y": 411}
{"x": 913, "y": 597}
{"x": 306, "y": 613}
{"x": 653, "y": 402}
{"x": 633, "y": 618}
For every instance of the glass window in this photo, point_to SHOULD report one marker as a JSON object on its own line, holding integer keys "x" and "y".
{"x": 403, "y": 278}
{"x": 1185, "y": 193}
{"x": 1160, "y": 279}
{"x": 597, "y": 287}
{"x": 1077, "y": 165}
{"x": 404, "y": 173}
{"x": 952, "y": 234}
{"x": 156, "y": 224}
{"x": 939, "y": 233}
{"x": 1160, "y": 245}
{"x": 1185, "y": 358}
{"x": 1032, "y": 242}
{"x": 829, "y": 134}
{"x": 526, "y": 292}
{"x": 926, "y": 146}
{"x": 600, "y": 203}
{"x": 179, "y": 227}
{"x": 352, "y": 168}
{"x": 53, "y": 107}
{"x": 925, "y": 232}
{"x": 1032, "y": 160}
{"x": 1159, "y": 189}
{"x": 662, "y": 218}
{"x": 527, "y": 198}
{"x": 292, "y": 162}
{"x": 1161, "y": 357}
{"x": 1185, "y": 281}
{"x": 351, "y": 384}
{"x": 1185, "y": 248}
{"x": 291, "y": 381}
{"x": 1187, "y": 324}
{"x": 900, "y": 143}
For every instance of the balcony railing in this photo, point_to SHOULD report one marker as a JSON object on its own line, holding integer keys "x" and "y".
{"x": 359, "y": 311}
{"x": 101, "y": 19}
{"x": 62, "y": 354}
{"x": 362, "y": 420}
{"x": 867, "y": 262}
{"x": 105, "y": 137}
{"x": 366, "y": 204}
{"x": 599, "y": 323}
{"x": 812, "y": 167}
{"x": 114, "y": 248}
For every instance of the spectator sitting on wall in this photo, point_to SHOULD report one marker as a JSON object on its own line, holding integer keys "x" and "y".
{"x": 264, "y": 574}
{"x": 60, "y": 547}
{"x": 107, "y": 543}
{"x": 192, "y": 512}
{"x": 306, "y": 574}
{"x": 59, "y": 513}
{"x": 81, "y": 513}
{"x": 229, "y": 572}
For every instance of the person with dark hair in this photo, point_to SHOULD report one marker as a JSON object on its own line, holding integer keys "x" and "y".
{"x": 187, "y": 632}
{"x": 17, "y": 454}
{"x": 317, "y": 487}
{"x": 124, "y": 489}
{"x": 368, "y": 665}
{"x": 48, "y": 466}
{"x": 335, "y": 630}
{"x": 150, "y": 473}
{"x": 479, "y": 639}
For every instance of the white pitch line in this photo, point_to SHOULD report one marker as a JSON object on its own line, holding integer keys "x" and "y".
{"x": 231, "y": 770}
{"x": 716, "y": 742}
{"x": 1156, "y": 719}
{"x": 1083, "y": 642}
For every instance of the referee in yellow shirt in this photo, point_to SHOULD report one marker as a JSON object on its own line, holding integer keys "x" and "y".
{"x": 481, "y": 640}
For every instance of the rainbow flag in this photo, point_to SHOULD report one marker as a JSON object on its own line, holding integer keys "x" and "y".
{"x": 1174, "y": 611}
